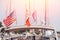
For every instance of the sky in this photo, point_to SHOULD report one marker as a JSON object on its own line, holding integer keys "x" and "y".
{"x": 53, "y": 11}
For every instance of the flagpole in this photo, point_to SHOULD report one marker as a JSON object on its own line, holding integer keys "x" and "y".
{"x": 14, "y": 10}
{"x": 27, "y": 15}
{"x": 35, "y": 12}
{"x": 29, "y": 11}
{"x": 45, "y": 13}
{"x": 8, "y": 7}
{"x": 27, "y": 6}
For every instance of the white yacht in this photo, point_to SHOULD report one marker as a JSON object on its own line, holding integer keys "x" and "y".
{"x": 32, "y": 33}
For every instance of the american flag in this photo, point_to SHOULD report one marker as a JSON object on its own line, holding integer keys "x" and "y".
{"x": 10, "y": 19}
